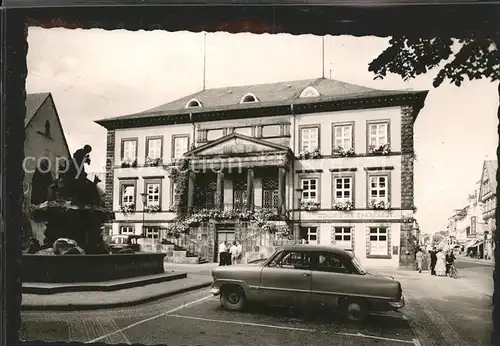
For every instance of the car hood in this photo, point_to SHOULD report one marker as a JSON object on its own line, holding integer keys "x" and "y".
{"x": 379, "y": 275}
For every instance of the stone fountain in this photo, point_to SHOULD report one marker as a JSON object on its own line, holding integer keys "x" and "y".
{"x": 74, "y": 213}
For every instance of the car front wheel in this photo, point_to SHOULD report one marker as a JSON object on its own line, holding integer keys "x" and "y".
{"x": 356, "y": 310}
{"x": 233, "y": 298}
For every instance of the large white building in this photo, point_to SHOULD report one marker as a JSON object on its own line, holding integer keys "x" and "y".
{"x": 334, "y": 159}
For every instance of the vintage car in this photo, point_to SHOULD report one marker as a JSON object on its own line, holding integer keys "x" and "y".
{"x": 122, "y": 242}
{"x": 308, "y": 275}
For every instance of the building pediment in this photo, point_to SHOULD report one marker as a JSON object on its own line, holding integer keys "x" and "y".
{"x": 237, "y": 145}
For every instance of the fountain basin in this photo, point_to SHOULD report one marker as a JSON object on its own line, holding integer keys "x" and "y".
{"x": 89, "y": 268}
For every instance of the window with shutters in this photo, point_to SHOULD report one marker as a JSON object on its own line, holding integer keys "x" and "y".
{"x": 270, "y": 194}
{"x": 239, "y": 193}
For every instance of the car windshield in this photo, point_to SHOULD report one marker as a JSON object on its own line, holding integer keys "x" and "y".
{"x": 358, "y": 265}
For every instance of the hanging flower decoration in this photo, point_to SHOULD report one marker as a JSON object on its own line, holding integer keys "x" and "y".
{"x": 310, "y": 154}
{"x": 127, "y": 208}
{"x": 126, "y": 163}
{"x": 151, "y": 161}
{"x": 153, "y": 208}
{"x": 379, "y": 205}
{"x": 343, "y": 205}
{"x": 309, "y": 205}
{"x": 339, "y": 151}
{"x": 384, "y": 149}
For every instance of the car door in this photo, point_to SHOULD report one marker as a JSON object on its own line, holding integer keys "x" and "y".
{"x": 329, "y": 278}
{"x": 286, "y": 279}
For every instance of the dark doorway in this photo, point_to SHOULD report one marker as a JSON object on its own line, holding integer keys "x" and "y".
{"x": 223, "y": 232}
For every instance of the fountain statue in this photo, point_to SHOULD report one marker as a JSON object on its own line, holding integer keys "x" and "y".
{"x": 74, "y": 209}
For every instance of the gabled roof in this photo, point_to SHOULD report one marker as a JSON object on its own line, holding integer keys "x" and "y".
{"x": 490, "y": 168}
{"x": 236, "y": 143}
{"x": 33, "y": 104}
{"x": 269, "y": 94}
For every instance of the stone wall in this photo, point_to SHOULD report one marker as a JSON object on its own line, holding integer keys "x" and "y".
{"x": 110, "y": 159}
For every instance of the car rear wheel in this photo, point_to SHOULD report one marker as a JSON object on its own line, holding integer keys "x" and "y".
{"x": 356, "y": 310}
{"x": 233, "y": 298}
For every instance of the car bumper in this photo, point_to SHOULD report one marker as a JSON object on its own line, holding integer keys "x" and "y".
{"x": 215, "y": 291}
{"x": 398, "y": 305}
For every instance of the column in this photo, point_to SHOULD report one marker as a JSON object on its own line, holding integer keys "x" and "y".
{"x": 219, "y": 194}
{"x": 190, "y": 199}
{"x": 250, "y": 178}
{"x": 281, "y": 190}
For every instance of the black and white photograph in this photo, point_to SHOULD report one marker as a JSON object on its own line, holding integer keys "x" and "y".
{"x": 210, "y": 188}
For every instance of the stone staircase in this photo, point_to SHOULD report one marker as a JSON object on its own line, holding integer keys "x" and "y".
{"x": 179, "y": 254}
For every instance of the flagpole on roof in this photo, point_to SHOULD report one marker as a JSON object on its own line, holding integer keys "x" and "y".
{"x": 323, "y": 57}
{"x": 204, "y": 58}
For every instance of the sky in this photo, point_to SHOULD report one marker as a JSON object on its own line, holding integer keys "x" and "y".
{"x": 95, "y": 74}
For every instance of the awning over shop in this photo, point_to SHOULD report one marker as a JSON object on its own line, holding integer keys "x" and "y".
{"x": 471, "y": 243}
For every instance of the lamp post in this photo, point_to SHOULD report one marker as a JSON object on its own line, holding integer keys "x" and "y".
{"x": 299, "y": 198}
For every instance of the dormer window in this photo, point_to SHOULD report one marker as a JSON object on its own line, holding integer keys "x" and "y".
{"x": 193, "y": 103}
{"x": 310, "y": 92}
{"x": 248, "y": 98}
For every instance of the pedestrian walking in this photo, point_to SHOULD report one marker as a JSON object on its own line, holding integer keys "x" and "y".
{"x": 450, "y": 259}
{"x": 440, "y": 263}
{"x": 419, "y": 257}
{"x": 433, "y": 261}
{"x": 234, "y": 253}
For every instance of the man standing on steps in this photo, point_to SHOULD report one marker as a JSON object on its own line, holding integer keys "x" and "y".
{"x": 222, "y": 254}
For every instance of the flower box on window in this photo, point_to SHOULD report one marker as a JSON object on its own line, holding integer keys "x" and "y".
{"x": 384, "y": 149}
{"x": 129, "y": 163}
{"x": 310, "y": 154}
{"x": 154, "y": 208}
{"x": 380, "y": 204}
{"x": 309, "y": 205}
{"x": 343, "y": 205}
{"x": 128, "y": 208}
{"x": 152, "y": 162}
{"x": 339, "y": 151}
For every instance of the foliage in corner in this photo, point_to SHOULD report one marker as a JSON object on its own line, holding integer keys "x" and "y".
{"x": 471, "y": 57}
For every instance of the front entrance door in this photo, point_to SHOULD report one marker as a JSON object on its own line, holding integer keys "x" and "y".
{"x": 223, "y": 233}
